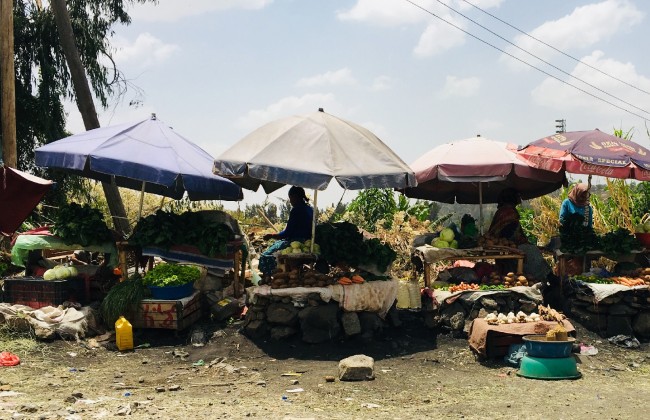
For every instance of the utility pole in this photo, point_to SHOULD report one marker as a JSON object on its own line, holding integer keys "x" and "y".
{"x": 560, "y": 126}
{"x": 8, "y": 84}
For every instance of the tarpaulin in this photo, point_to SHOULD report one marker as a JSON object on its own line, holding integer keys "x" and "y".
{"x": 20, "y": 192}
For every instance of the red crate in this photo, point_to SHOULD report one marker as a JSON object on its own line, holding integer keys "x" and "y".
{"x": 37, "y": 293}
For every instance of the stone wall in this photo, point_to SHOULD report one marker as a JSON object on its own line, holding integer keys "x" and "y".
{"x": 315, "y": 321}
{"x": 626, "y": 312}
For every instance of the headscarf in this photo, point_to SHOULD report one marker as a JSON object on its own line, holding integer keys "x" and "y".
{"x": 579, "y": 195}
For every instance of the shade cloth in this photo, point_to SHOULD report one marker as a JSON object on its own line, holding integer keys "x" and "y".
{"x": 20, "y": 192}
{"x": 26, "y": 243}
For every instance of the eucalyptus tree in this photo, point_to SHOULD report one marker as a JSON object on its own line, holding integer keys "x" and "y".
{"x": 61, "y": 51}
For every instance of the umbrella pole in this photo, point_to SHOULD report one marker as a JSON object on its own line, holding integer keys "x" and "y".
{"x": 141, "y": 201}
{"x": 480, "y": 207}
{"x": 313, "y": 223}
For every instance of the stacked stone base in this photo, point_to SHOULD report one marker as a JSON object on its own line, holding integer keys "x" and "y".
{"x": 314, "y": 321}
{"x": 625, "y": 313}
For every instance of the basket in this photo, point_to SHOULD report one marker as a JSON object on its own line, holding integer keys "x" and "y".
{"x": 172, "y": 292}
{"x": 538, "y": 346}
{"x": 37, "y": 293}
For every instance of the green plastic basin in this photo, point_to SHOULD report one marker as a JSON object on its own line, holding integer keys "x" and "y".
{"x": 549, "y": 368}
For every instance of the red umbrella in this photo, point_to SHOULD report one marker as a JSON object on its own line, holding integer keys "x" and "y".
{"x": 475, "y": 171}
{"x": 20, "y": 192}
{"x": 590, "y": 153}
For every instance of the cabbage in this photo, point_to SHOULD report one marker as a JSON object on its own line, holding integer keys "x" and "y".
{"x": 296, "y": 251}
{"x": 646, "y": 227}
{"x": 73, "y": 271}
{"x": 447, "y": 234}
{"x": 296, "y": 244}
{"x": 61, "y": 272}
{"x": 49, "y": 275}
{"x": 453, "y": 244}
{"x": 439, "y": 243}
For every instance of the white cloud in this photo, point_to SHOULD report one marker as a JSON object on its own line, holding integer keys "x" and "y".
{"x": 459, "y": 87}
{"x": 285, "y": 107}
{"x": 174, "y": 10}
{"x": 146, "y": 50}
{"x": 483, "y": 4}
{"x": 332, "y": 78}
{"x": 386, "y": 12}
{"x": 584, "y": 27}
{"x": 554, "y": 94}
{"x": 381, "y": 83}
{"x": 439, "y": 37}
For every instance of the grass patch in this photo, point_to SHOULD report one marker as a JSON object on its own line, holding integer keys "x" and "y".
{"x": 19, "y": 343}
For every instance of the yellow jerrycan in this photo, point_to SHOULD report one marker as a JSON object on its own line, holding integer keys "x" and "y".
{"x": 123, "y": 334}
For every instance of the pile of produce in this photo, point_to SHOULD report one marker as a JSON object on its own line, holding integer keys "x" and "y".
{"x": 640, "y": 277}
{"x": 559, "y": 333}
{"x": 60, "y": 272}
{"x": 487, "y": 241}
{"x": 511, "y": 318}
{"x": 299, "y": 277}
{"x": 463, "y": 286}
{"x": 446, "y": 239}
{"x": 164, "y": 229}
{"x": 298, "y": 247}
{"x": 343, "y": 243}
{"x": 644, "y": 225}
{"x": 122, "y": 299}
{"x": 164, "y": 275}
{"x": 81, "y": 225}
{"x": 575, "y": 238}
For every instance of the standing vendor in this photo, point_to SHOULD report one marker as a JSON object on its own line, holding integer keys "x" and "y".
{"x": 577, "y": 202}
{"x": 298, "y": 229}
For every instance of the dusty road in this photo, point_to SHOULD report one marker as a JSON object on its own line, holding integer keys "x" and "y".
{"x": 418, "y": 375}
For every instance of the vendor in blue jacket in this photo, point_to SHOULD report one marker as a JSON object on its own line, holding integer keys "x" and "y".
{"x": 298, "y": 229}
{"x": 577, "y": 202}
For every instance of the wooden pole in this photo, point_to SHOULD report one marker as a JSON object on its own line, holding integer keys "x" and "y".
{"x": 8, "y": 84}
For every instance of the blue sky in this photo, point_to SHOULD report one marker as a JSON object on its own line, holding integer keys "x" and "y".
{"x": 217, "y": 69}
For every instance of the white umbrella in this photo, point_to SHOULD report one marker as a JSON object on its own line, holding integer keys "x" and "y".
{"x": 309, "y": 151}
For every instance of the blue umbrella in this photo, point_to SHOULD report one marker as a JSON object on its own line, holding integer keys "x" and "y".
{"x": 146, "y": 155}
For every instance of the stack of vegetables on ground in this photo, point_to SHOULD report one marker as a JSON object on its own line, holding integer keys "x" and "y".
{"x": 122, "y": 299}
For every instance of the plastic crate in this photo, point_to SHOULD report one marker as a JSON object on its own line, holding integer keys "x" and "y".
{"x": 37, "y": 293}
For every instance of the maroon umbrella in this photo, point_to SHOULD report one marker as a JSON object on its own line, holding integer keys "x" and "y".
{"x": 590, "y": 153}
{"x": 20, "y": 192}
{"x": 475, "y": 171}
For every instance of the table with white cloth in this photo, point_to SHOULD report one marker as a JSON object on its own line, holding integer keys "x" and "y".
{"x": 372, "y": 296}
{"x": 430, "y": 255}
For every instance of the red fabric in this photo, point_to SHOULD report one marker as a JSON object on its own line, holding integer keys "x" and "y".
{"x": 20, "y": 192}
{"x": 8, "y": 359}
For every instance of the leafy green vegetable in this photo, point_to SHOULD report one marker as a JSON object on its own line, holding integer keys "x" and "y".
{"x": 164, "y": 275}
{"x": 164, "y": 229}
{"x": 575, "y": 238}
{"x": 83, "y": 225}
{"x": 342, "y": 242}
{"x": 620, "y": 241}
{"x": 122, "y": 299}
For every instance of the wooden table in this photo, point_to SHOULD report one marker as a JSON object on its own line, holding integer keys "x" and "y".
{"x": 562, "y": 258}
{"x": 478, "y": 254}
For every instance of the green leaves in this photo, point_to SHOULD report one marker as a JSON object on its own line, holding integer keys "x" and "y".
{"x": 164, "y": 275}
{"x": 164, "y": 229}
{"x": 83, "y": 225}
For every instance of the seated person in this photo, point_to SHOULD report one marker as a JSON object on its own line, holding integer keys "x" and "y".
{"x": 298, "y": 229}
{"x": 36, "y": 264}
{"x": 505, "y": 224}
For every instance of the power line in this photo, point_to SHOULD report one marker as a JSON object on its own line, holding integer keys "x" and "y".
{"x": 542, "y": 60}
{"x": 558, "y": 50}
{"x": 527, "y": 63}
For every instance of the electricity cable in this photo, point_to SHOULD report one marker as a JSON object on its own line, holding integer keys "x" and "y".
{"x": 542, "y": 60}
{"x": 556, "y": 49}
{"x": 529, "y": 64}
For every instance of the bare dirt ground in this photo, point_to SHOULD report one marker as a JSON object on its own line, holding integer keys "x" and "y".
{"x": 418, "y": 375}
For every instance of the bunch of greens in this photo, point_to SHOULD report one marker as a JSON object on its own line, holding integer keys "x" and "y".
{"x": 82, "y": 225}
{"x": 575, "y": 238}
{"x": 122, "y": 299}
{"x": 492, "y": 287}
{"x": 164, "y": 229}
{"x": 620, "y": 241}
{"x": 342, "y": 242}
{"x": 164, "y": 275}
